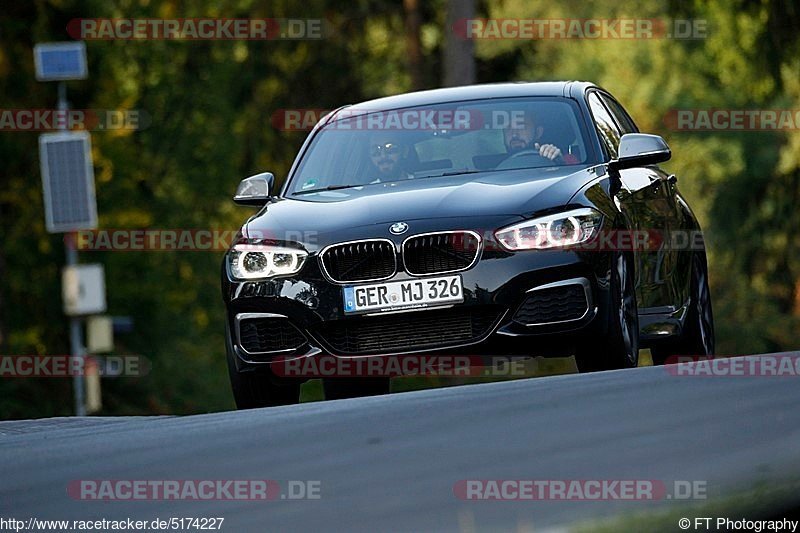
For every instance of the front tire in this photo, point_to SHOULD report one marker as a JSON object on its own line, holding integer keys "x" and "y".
{"x": 261, "y": 388}
{"x": 619, "y": 347}
{"x": 697, "y": 337}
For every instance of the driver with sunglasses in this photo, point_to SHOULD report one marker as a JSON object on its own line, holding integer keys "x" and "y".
{"x": 389, "y": 157}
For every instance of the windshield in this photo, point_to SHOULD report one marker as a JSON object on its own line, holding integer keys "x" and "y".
{"x": 370, "y": 148}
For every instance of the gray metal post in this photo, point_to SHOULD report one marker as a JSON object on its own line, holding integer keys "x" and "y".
{"x": 75, "y": 332}
{"x": 76, "y": 341}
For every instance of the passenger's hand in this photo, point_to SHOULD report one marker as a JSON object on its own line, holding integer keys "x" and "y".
{"x": 550, "y": 151}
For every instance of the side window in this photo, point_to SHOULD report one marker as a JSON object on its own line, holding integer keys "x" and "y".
{"x": 606, "y": 128}
{"x": 624, "y": 120}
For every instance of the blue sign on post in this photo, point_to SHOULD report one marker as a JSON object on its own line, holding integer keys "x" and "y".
{"x": 60, "y": 61}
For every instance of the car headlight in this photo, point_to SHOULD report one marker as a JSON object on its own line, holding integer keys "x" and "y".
{"x": 553, "y": 231}
{"x": 262, "y": 261}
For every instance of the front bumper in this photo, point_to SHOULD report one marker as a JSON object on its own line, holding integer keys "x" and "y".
{"x": 495, "y": 292}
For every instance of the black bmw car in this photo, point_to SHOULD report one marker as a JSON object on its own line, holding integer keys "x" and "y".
{"x": 514, "y": 218}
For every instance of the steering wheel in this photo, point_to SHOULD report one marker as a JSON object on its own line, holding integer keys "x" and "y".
{"x": 532, "y": 155}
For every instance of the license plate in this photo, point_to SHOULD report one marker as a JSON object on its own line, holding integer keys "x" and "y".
{"x": 399, "y": 295}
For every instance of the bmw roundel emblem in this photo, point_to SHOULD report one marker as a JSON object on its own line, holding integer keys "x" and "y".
{"x": 398, "y": 228}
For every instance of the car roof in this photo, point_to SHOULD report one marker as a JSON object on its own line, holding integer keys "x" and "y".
{"x": 473, "y": 92}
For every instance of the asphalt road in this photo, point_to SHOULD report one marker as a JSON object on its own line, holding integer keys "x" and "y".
{"x": 391, "y": 462}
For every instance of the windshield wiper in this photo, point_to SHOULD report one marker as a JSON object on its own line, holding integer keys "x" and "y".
{"x": 350, "y": 186}
{"x": 329, "y": 188}
{"x": 453, "y": 173}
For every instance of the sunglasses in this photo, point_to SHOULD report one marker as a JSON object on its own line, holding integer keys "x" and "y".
{"x": 389, "y": 148}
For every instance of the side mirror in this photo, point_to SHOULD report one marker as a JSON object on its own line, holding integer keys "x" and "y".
{"x": 255, "y": 189}
{"x": 640, "y": 149}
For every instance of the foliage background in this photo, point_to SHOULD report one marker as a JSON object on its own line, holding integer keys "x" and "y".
{"x": 211, "y": 104}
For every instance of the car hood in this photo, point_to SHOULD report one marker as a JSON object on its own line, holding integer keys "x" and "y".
{"x": 491, "y": 196}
